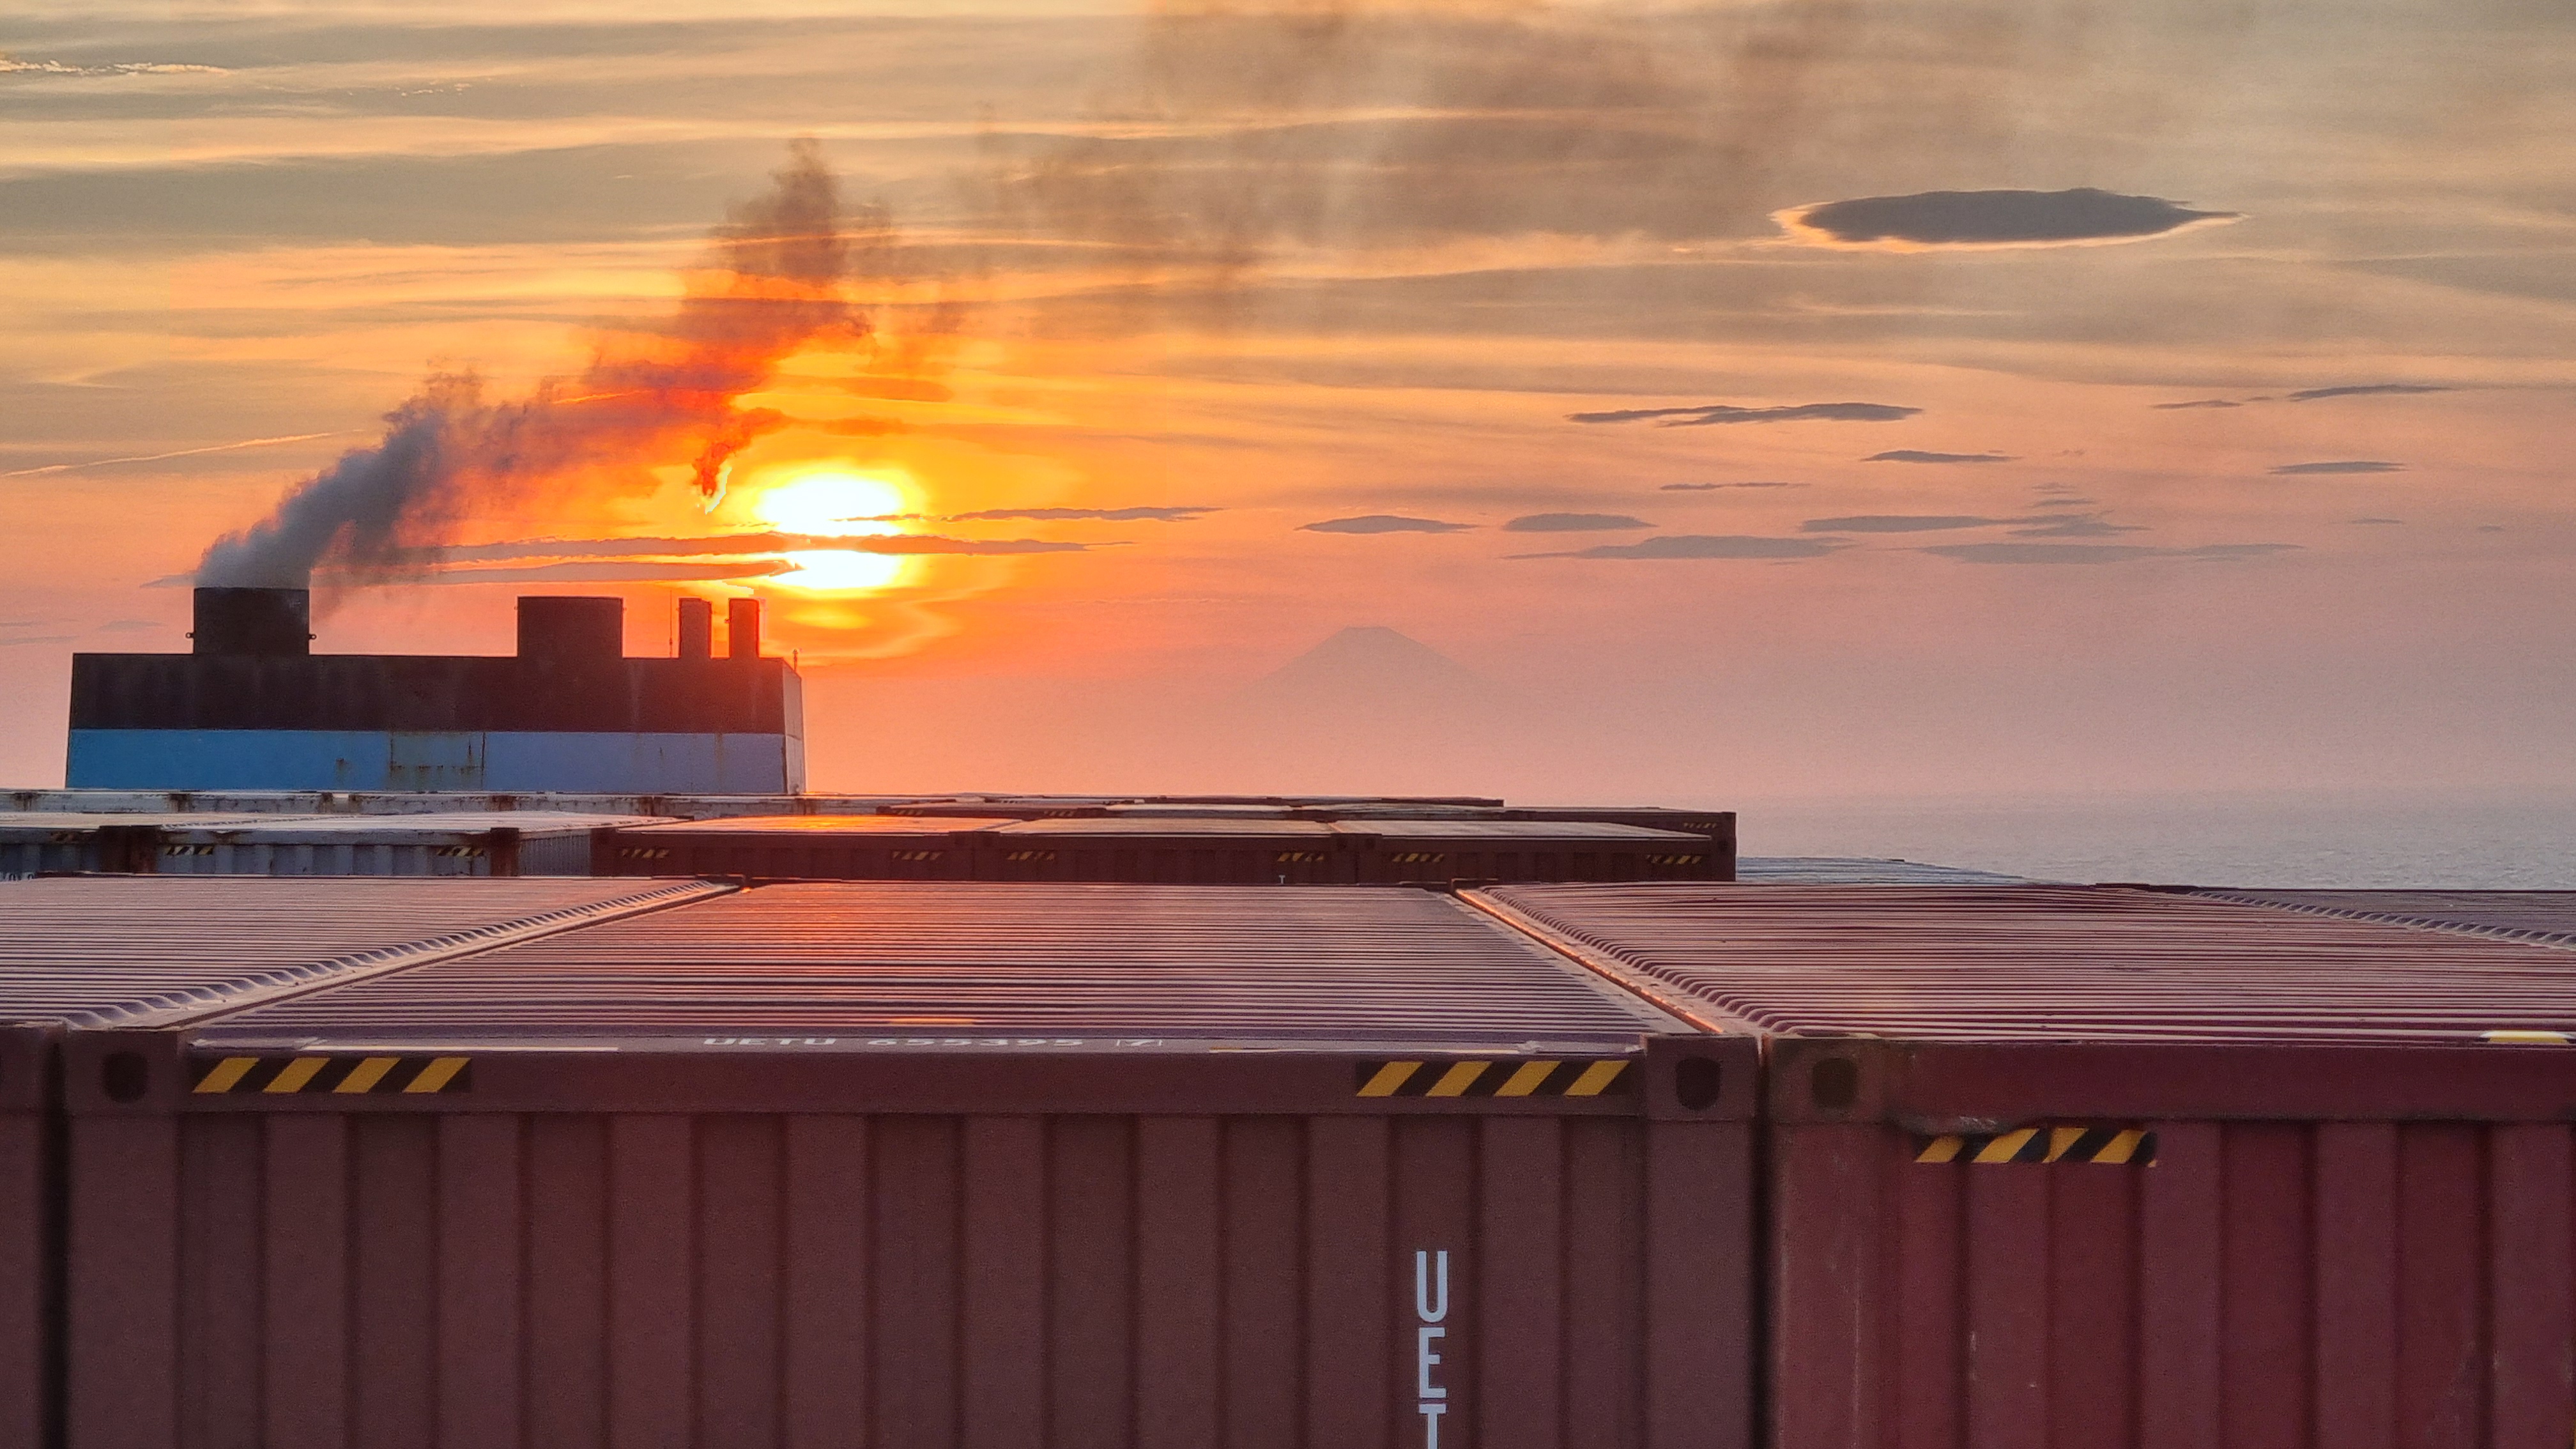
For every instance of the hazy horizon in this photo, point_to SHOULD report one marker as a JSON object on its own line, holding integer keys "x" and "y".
{"x": 1768, "y": 400}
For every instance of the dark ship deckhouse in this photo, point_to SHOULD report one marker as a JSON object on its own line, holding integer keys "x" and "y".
{"x": 253, "y": 708}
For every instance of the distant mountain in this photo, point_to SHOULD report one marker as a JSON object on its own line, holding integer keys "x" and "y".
{"x": 1375, "y": 667}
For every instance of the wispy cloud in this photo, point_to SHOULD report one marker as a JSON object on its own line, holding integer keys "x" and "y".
{"x": 174, "y": 453}
{"x": 2369, "y": 389}
{"x": 1384, "y": 523}
{"x": 2097, "y": 553}
{"x": 1705, "y": 546}
{"x": 1710, "y": 414}
{"x": 1714, "y": 487}
{"x": 15, "y": 65}
{"x": 1184, "y": 513}
{"x": 1897, "y": 523}
{"x": 2312, "y": 394}
{"x": 2340, "y": 465}
{"x": 2075, "y": 525}
{"x": 1573, "y": 523}
{"x": 2375, "y": 520}
{"x": 1917, "y": 455}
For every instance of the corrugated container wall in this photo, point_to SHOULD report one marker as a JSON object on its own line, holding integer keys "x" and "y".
{"x": 1168, "y": 851}
{"x": 1392, "y": 851}
{"x": 912, "y": 1166}
{"x": 141, "y": 951}
{"x": 2548, "y": 916}
{"x": 47, "y": 841}
{"x": 810, "y": 847}
{"x": 2061, "y": 1167}
{"x": 503, "y": 843}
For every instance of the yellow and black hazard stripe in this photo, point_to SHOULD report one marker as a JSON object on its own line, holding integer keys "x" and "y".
{"x": 1029, "y": 856}
{"x": 1677, "y": 860}
{"x": 1419, "y": 857}
{"x": 1579, "y": 1077}
{"x": 175, "y": 850}
{"x": 1300, "y": 857}
{"x": 344, "y": 1076}
{"x": 919, "y": 855}
{"x": 644, "y": 852}
{"x": 2117, "y": 1146}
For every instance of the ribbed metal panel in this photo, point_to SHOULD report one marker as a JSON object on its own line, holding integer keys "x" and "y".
{"x": 806, "y": 847}
{"x": 2527, "y": 915}
{"x": 2057, "y": 1166}
{"x": 1210, "y": 827}
{"x": 2056, "y": 964}
{"x": 914, "y": 1167}
{"x": 149, "y": 951}
{"x": 1861, "y": 870}
{"x": 124, "y": 951}
{"x": 1051, "y": 960}
{"x": 751, "y": 1281}
{"x": 750, "y": 828}
{"x": 1392, "y": 851}
{"x": 2296, "y": 1283}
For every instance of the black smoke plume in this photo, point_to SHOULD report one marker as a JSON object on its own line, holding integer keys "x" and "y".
{"x": 654, "y": 395}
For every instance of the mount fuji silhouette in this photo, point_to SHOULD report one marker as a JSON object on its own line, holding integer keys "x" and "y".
{"x": 1374, "y": 666}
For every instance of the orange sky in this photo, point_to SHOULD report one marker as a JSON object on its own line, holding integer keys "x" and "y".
{"x": 1234, "y": 276}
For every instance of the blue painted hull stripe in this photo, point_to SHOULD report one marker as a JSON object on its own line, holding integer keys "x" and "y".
{"x": 529, "y": 760}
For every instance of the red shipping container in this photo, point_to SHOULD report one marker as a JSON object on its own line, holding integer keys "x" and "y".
{"x": 141, "y": 950}
{"x": 1393, "y": 851}
{"x": 808, "y": 847}
{"x": 926, "y": 1165}
{"x": 2066, "y": 1166}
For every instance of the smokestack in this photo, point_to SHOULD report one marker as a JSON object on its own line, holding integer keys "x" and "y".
{"x": 567, "y": 629}
{"x": 254, "y": 621}
{"x": 742, "y": 629}
{"x": 697, "y": 629}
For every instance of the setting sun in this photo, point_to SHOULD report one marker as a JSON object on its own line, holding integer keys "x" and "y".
{"x": 844, "y": 504}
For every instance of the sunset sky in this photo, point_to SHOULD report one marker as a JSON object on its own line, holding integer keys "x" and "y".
{"x": 1753, "y": 400}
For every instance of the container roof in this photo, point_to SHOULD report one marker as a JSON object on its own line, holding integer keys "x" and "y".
{"x": 110, "y": 950}
{"x": 349, "y": 829}
{"x": 1216, "y": 828}
{"x": 2055, "y": 964}
{"x": 1189, "y": 964}
{"x": 2534, "y": 915}
{"x": 813, "y": 827}
{"x": 24, "y": 824}
{"x": 1590, "y": 832}
{"x": 1852, "y": 870}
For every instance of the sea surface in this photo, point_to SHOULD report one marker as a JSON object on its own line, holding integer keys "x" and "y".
{"x": 2491, "y": 842}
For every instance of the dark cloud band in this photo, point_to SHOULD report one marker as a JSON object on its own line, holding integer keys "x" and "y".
{"x": 1714, "y": 414}
{"x": 1573, "y": 523}
{"x": 2339, "y": 465}
{"x": 1994, "y": 219}
{"x": 1384, "y": 523}
{"x": 1701, "y": 545}
{"x": 1917, "y": 455}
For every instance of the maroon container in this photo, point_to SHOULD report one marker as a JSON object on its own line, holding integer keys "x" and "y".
{"x": 921, "y": 1165}
{"x": 1009, "y": 807}
{"x": 1717, "y": 825}
{"x": 142, "y": 950}
{"x": 806, "y": 847}
{"x": 1390, "y": 852}
{"x": 2057, "y": 1166}
{"x": 1188, "y": 851}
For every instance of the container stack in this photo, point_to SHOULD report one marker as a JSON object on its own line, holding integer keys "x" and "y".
{"x": 957, "y": 1163}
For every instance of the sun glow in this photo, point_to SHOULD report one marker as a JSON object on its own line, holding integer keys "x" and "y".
{"x": 847, "y": 505}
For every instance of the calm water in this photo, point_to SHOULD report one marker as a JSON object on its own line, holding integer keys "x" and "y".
{"x": 2252, "y": 840}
